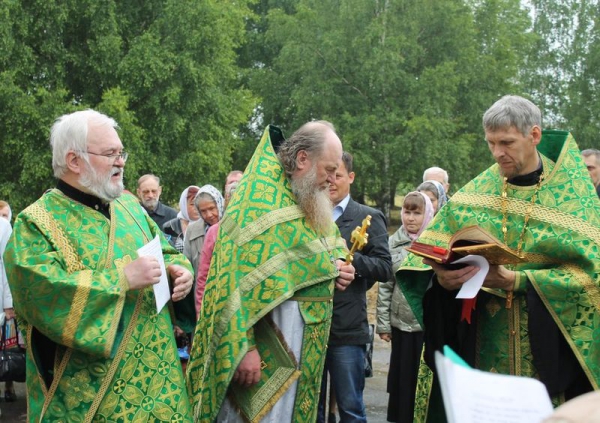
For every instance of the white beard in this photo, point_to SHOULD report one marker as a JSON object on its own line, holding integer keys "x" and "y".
{"x": 101, "y": 185}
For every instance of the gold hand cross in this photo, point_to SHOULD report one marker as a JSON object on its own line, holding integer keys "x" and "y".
{"x": 359, "y": 238}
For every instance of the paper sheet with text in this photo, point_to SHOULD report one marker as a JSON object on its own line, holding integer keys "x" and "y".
{"x": 162, "y": 292}
{"x": 474, "y": 396}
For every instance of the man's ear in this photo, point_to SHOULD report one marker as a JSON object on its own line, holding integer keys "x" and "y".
{"x": 536, "y": 134}
{"x": 74, "y": 163}
{"x": 302, "y": 160}
{"x": 351, "y": 176}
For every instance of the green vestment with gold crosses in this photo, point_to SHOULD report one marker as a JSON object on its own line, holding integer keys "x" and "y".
{"x": 561, "y": 246}
{"x": 96, "y": 351}
{"x": 266, "y": 253}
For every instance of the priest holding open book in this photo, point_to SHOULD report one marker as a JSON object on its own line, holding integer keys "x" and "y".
{"x": 536, "y": 316}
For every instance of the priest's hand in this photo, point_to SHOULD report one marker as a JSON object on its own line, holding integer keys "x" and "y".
{"x": 500, "y": 277}
{"x": 142, "y": 272}
{"x": 345, "y": 276}
{"x": 451, "y": 279}
{"x": 182, "y": 281}
{"x": 248, "y": 372}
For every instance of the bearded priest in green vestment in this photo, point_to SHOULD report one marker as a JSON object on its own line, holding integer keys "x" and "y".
{"x": 540, "y": 318}
{"x": 259, "y": 348}
{"x": 97, "y": 349}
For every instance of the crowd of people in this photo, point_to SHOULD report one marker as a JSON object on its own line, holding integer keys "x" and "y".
{"x": 268, "y": 313}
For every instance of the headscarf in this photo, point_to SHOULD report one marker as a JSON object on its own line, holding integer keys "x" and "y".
{"x": 189, "y": 192}
{"x": 215, "y": 194}
{"x": 441, "y": 197}
{"x": 427, "y": 214}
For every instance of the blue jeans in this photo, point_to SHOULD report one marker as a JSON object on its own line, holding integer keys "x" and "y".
{"x": 346, "y": 366}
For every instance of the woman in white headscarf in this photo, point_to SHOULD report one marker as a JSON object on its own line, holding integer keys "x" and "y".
{"x": 175, "y": 228}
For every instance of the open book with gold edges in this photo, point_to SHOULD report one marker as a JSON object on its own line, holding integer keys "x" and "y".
{"x": 472, "y": 240}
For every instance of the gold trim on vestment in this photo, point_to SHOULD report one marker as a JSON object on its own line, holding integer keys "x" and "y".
{"x": 585, "y": 281}
{"x": 310, "y": 299}
{"x": 517, "y": 354}
{"x": 277, "y": 262}
{"x": 78, "y": 303}
{"x": 67, "y": 250}
{"x": 73, "y": 263}
{"x": 273, "y": 218}
{"x": 57, "y": 376}
{"x": 114, "y": 364}
{"x": 234, "y": 303}
{"x": 516, "y": 206}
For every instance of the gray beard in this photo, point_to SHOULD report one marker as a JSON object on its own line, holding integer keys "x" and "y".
{"x": 101, "y": 186}
{"x": 150, "y": 205}
{"x": 314, "y": 202}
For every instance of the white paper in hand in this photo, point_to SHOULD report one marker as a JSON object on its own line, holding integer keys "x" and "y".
{"x": 471, "y": 287}
{"x": 474, "y": 396}
{"x": 162, "y": 293}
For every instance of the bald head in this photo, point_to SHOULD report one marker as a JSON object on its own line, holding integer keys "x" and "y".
{"x": 308, "y": 141}
{"x": 437, "y": 174}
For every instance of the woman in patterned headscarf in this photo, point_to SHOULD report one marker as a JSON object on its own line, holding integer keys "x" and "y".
{"x": 436, "y": 193}
{"x": 208, "y": 204}
{"x": 205, "y": 256}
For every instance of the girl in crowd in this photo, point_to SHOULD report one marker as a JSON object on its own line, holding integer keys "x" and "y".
{"x": 436, "y": 193}
{"x": 175, "y": 228}
{"x": 395, "y": 319}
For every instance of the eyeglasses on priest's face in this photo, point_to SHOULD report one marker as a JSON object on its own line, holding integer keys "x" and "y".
{"x": 114, "y": 156}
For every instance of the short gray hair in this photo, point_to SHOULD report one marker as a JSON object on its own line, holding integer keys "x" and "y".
{"x": 592, "y": 152}
{"x": 310, "y": 137}
{"x": 512, "y": 110}
{"x": 147, "y": 176}
{"x": 435, "y": 169}
{"x": 69, "y": 133}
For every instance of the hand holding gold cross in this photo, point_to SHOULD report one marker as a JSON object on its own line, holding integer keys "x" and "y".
{"x": 359, "y": 238}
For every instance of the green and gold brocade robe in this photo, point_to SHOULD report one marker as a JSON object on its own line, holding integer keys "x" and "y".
{"x": 97, "y": 351}
{"x": 265, "y": 254}
{"x": 562, "y": 250}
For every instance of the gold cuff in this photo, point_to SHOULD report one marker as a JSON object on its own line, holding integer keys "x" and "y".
{"x": 518, "y": 277}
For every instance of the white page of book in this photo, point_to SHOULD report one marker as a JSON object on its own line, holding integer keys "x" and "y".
{"x": 474, "y": 396}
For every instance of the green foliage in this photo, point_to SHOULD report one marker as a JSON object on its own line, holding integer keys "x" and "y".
{"x": 165, "y": 70}
{"x": 193, "y": 83}
{"x": 405, "y": 82}
{"x": 563, "y": 71}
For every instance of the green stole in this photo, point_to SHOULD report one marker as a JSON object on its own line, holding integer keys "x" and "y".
{"x": 115, "y": 356}
{"x": 265, "y": 253}
{"x": 562, "y": 249}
